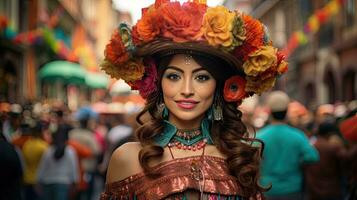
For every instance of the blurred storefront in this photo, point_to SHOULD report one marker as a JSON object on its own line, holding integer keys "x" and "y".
{"x": 36, "y": 33}
{"x": 320, "y": 38}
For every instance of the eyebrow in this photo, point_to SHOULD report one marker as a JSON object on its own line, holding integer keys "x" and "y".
{"x": 180, "y": 70}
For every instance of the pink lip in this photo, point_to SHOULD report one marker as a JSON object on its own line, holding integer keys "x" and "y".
{"x": 186, "y": 103}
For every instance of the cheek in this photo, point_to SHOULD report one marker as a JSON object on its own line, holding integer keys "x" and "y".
{"x": 206, "y": 91}
{"x": 168, "y": 88}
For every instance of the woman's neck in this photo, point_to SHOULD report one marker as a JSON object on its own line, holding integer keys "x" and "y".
{"x": 186, "y": 124}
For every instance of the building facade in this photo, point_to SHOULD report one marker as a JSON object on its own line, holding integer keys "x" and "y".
{"x": 324, "y": 69}
{"x": 33, "y": 33}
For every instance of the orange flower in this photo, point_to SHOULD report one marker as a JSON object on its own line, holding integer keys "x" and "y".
{"x": 282, "y": 64}
{"x": 158, "y": 3}
{"x": 283, "y": 67}
{"x": 182, "y": 23}
{"x": 234, "y": 89}
{"x": 147, "y": 27}
{"x": 254, "y": 33}
{"x": 135, "y": 36}
{"x": 115, "y": 51}
{"x": 217, "y": 26}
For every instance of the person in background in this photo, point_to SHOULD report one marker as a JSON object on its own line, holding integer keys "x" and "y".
{"x": 24, "y": 135}
{"x": 11, "y": 125}
{"x": 86, "y": 137}
{"x": 286, "y": 150}
{"x": 348, "y": 128}
{"x": 119, "y": 134}
{"x": 33, "y": 150}
{"x": 324, "y": 178}
{"x": 11, "y": 172}
{"x": 58, "y": 170}
{"x": 82, "y": 152}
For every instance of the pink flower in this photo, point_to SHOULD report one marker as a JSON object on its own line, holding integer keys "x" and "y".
{"x": 147, "y": 84}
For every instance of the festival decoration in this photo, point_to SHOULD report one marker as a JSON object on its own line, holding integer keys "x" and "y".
{"x": 314, "y": 22}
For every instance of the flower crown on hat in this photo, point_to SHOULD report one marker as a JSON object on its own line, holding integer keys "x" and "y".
{"x": 228, "y": 32}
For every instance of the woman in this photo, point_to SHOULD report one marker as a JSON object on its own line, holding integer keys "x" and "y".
{"x": 193, "y": 65}
{"x": 58, "y": 170}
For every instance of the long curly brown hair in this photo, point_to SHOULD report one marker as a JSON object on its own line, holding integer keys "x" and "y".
{"x": 229, "y": 135}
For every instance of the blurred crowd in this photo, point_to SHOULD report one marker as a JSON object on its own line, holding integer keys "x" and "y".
{"x": 49, "y": 152}
{"x": 309, "y": 153}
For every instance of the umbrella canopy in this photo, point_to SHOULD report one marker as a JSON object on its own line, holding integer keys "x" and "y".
{"x": 65, "y": 71}
{"x": 96, "y": 80}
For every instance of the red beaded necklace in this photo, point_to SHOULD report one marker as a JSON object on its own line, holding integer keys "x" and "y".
{"x": 188, "y": 139}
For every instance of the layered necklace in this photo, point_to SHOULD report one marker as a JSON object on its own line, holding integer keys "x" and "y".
{"x": 188, "y": 139}
{"x": 191, "y": 139}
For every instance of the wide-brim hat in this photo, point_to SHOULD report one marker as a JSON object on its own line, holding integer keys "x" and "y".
{"x": 169, "y": 27}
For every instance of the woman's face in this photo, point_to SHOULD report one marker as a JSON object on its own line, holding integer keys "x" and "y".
{"x": 188, "y": 91}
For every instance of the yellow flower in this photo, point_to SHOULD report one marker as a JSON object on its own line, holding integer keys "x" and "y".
{"x": 257, "y": 85}
{"x": 217, "y": 26}
{"x": 130, "y": 71}
{"x": 238, "y": 30}
{"x": 260, "y": 60}
{"x": 109, "y": 68}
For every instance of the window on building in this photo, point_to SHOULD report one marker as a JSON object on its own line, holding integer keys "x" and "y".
{"x": 326, "y": 35}
{"x": 306, "y": 9}
{"x": 330, "y": 84}
{"x": 280, "y": 29}
{"x": 310, "y": 94}
{"x": 349, "y": 85}
{"x": 350, "y": 12}
{"x": 8, "y": 82}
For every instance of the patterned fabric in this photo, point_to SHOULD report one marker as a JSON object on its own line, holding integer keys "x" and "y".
{"x": 176, "y": 181}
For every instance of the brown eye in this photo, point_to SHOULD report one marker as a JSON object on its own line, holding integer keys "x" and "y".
{"x": 172, "y": 76}
{"x": 202, "y": 78}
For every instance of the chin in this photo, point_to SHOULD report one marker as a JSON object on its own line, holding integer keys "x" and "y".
{"x": 188, "y": 116}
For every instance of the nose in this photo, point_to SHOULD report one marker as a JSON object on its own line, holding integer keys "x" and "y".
{"x": 187, "y": 88}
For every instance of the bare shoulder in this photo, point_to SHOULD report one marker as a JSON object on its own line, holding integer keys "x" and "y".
{"x": 124, "y": 162}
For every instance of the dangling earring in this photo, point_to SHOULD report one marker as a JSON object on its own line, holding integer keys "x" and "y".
{"x": 217, "y": 110}
{"x": 162, "y": 110}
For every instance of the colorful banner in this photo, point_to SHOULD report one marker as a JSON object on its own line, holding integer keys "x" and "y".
{"x": 314, "y": 22}
{"x": 58, "y": 42}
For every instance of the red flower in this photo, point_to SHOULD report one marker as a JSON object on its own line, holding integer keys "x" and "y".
{"x": 234, "y": 89}
{"x": 115, "y": 51}
{"x": 147, "y": 84}
{"x": 182, "y": 23}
